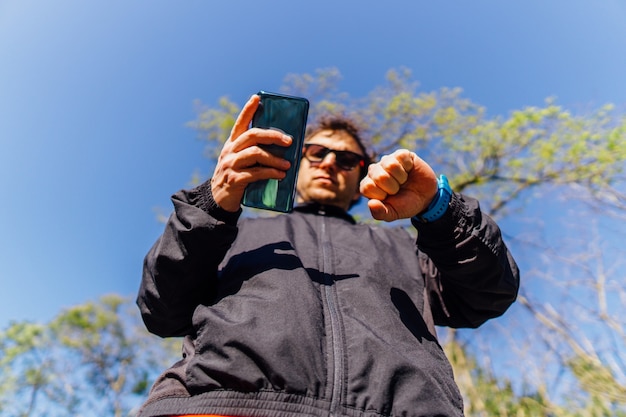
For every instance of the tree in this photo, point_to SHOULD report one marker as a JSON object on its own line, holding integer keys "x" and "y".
{"x": 559, "y": 351}
{"x": 589, "y": 340}
{"x": 494, "y": 158}
{"x": 92, "y": 359}
{"x": 537, "y": 155}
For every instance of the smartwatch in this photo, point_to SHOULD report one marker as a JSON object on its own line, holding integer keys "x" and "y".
{"x": 439, "y": 205}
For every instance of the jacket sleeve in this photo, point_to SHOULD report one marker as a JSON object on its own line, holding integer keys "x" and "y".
{"x": 180, "y": 269}
{"x": 470, "y": 275}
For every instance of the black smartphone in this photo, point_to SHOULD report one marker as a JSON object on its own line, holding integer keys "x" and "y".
{"x": 289, "y": 115}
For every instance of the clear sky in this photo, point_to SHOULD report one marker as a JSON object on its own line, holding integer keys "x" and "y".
{"x": 94, "y": 97}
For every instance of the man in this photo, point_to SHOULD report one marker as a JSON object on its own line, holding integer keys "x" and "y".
{"x": 309, "y": 313}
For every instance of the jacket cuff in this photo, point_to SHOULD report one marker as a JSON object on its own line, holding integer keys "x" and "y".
{"x": 207, "y": 203}
{"x": 442, "y": 228}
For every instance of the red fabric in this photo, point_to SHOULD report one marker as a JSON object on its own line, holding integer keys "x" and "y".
{"x": 199, "y": 415}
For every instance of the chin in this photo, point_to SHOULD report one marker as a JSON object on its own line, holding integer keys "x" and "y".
{"x": 327, "y": 197}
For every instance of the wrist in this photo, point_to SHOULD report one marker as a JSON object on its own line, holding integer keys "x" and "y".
{"x": 212, "y": 207}
{"x": 439, "y": 205}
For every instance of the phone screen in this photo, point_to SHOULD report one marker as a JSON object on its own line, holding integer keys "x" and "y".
{"x": 289, "y": 115}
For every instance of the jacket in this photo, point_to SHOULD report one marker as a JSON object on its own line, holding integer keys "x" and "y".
{"x": 310, "y": 313}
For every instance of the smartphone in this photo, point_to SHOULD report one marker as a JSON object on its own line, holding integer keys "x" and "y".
{"x": 289, "y": 115}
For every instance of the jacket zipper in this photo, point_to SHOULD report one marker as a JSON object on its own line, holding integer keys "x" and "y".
{"x": 329, "y": 291}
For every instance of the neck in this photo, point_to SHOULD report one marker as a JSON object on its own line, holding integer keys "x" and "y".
{"x": 324, "y": 210}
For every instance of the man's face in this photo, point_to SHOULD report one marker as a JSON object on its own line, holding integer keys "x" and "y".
{"x": 325, "y": 182}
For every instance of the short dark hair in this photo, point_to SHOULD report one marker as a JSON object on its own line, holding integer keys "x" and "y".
{"x": 337, "y": 122}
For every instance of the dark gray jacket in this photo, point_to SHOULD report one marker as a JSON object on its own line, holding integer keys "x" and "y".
{"x": 312, "y": 314}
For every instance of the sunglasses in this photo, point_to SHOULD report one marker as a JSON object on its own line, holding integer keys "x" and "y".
{"x": 345, "y": 160}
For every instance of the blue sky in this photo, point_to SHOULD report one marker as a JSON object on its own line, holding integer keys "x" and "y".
{"x": 94, "y": 98}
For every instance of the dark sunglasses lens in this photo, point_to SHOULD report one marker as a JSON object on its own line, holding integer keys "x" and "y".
{"x": 316, "y": 152}
{"x": 347, "y": 160}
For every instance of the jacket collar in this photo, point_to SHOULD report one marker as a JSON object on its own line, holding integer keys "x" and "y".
{"x": 322, "y": 210}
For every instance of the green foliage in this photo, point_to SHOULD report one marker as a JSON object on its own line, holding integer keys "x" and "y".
{"x": 496, "y": 159}
{"x": 599, "y": 382}
{"x": 23, "y": 343}
{"x": 98, "y": 358}
{"x": 486, "y": 396}
{"x": 507, "y": 162}
{"x": 92, "y": 357}
{"x": 215, "y": 123}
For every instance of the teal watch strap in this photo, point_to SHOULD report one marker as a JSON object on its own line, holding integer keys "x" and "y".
{"x": 440, "y": 203}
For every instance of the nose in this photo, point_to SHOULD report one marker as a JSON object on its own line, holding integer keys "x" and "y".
{"x": 329, "y": 161}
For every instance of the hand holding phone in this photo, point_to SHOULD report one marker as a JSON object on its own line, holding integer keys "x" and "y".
{"x": 287, "y": 114}
{"x": 242, "y": 160}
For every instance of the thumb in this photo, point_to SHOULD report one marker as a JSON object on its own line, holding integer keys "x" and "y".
{"x": 381, "y": 211}
{"x": 245, "y": 117}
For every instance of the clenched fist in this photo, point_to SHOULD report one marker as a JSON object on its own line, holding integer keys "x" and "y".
{"x": 400, "y": 186}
